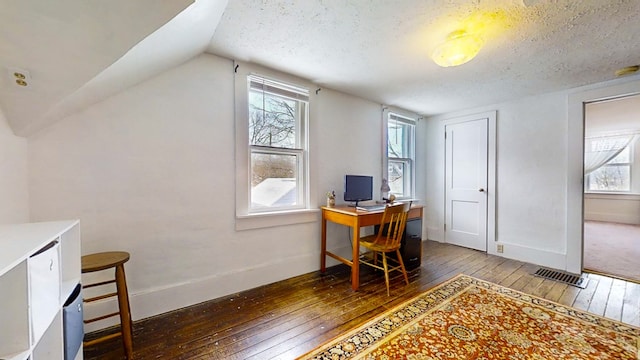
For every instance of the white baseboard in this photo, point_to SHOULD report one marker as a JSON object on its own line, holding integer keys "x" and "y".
{"x": 157, "y": 301}
{"x": 161, "y": 300}
{"x": 531, "y": 255}
{"x": 516, "y": 252}
{"x": 434, "y": 233}
{"x": 611, "y": 217}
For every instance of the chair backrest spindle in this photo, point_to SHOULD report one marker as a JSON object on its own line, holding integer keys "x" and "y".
{"x": 392, "y": 225}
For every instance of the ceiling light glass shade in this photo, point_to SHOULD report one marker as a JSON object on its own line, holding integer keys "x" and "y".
{"x": 459, "y": 48}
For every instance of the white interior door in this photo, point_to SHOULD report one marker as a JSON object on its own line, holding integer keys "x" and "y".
{"x": 466, "y": 166}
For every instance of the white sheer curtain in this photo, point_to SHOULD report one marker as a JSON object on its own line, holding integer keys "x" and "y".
{"x": 599, "y": 150}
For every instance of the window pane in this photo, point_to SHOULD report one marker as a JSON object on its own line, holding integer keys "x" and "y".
{"x": 400, "y": 154}
{"x": 397, "y": 179}
{"x": 399, "y": 135}
{"x": 611, "y": 143}
{"x": 272, "y": 120}
{"x": 276, "y": 125}
{"x": 623, "y": 158}
{"x": 610, "y": 178}
{"x": 273, "y": 180}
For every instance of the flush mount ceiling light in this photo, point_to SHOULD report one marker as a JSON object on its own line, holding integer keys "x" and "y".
{"x": 459, "y": 47}
{"x": 627, "y": 70}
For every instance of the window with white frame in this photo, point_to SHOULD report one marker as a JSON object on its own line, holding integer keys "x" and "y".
{"x": 277, "y": 122}
{"x": 400, "y": 155}
{"x": 612, "y": 159}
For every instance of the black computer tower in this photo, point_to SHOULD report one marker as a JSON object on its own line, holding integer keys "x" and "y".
{"x": 411, "y": 249}
{"x": 411, "y": 244}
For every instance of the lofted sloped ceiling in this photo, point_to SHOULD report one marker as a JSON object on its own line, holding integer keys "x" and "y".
{"x": 63, "y": 44}
{"x": 78, "y": 52}
{"x": 183, "y": 37}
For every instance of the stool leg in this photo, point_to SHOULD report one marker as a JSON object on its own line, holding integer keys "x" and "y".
{"x": 125, "y": 311}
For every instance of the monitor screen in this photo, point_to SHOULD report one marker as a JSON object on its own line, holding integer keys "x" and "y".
{"x": 358, "y": 188}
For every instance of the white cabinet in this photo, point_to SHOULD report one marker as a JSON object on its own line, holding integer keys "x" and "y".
{"x": 39, "y": 269}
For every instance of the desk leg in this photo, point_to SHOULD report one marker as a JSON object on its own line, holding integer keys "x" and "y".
{"x": 355, "y": 259}
{"x": 323, "y": 249}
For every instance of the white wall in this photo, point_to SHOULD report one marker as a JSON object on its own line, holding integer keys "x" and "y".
{"x": 530, "y": 181}
{"x": 619, "y": 208}
{"x": 620, "y": 115}
{"x": 14, "y": 197}
{"x": 151, "y": 171}
{"x": 537, "y": 158}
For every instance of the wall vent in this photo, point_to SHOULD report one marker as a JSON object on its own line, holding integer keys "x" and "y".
{"x": 570, "y": 279}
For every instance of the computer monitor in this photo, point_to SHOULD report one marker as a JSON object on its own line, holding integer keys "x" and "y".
{"x": 358, "y": 188}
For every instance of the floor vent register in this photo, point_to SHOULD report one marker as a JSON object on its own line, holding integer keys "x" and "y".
{"x": 570, "y": 279}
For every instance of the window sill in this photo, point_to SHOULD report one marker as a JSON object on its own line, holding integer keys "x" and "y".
{"x": 272, "y": 219}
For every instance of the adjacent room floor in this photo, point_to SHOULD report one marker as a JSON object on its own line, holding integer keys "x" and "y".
{"x": 612, "y": 249}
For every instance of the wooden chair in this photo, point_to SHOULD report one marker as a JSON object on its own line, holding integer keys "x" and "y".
{"x": 387, "y": 240}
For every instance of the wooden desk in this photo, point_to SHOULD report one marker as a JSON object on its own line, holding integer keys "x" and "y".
{"x": 355, "y": 219}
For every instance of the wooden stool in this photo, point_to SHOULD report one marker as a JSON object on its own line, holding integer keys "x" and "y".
{"x": 104, "y": 261}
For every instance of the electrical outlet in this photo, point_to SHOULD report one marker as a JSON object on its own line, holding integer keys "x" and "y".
{"x": 500, "y": 248}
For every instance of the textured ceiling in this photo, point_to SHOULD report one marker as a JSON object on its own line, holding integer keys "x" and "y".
{"x": 80, "y": 52}
{"x": 381, "y": 50}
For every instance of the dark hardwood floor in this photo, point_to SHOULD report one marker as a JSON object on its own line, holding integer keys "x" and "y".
{"x": 288, "y": 318}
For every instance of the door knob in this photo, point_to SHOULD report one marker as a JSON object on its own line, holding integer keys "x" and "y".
{"x": 481, "y": 190}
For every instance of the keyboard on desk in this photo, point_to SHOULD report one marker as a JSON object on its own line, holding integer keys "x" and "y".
{"x": 377, "y": 207}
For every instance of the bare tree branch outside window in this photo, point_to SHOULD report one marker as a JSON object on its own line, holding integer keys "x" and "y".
{"x": 272, "y": 121}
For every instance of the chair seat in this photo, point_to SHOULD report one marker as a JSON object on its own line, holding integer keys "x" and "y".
{"x": 370, "y": 243}
{"x": 103, "y": 260}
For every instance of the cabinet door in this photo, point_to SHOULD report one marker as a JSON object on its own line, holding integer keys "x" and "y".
{"x": 49, "y": 346}
{"x": 44, "y": 289}
{"x": 14, "y": 313}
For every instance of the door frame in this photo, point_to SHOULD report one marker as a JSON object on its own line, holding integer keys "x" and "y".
{"x": 575, "y": 166}
{"x": 491, "y": 117}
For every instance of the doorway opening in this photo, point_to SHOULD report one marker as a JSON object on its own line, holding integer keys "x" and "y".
{"x": 611, "y": 193}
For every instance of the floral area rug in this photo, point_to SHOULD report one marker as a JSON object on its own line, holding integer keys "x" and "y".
{"x": 467, "y": 318}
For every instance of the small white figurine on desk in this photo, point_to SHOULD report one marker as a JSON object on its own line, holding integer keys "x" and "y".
{"x": 384, "y": 190}
{"x": 331, "y": 199}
